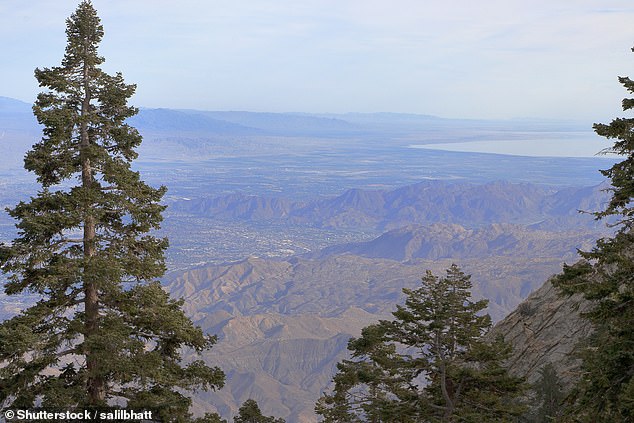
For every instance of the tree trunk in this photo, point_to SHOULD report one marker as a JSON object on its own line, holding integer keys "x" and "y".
{"x": 95, "y": 383}
{"x": 449, "y": 405}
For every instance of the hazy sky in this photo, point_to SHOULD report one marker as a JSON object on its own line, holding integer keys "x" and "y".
{"x": 453, "y": 58}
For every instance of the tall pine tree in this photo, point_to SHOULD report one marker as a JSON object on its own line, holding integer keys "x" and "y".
{"x": 606, "y": 276}
{"x": 104, "y": 332}
{"x": 430, "y": 364}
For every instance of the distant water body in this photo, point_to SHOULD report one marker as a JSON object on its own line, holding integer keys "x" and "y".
{"x": 543, "y": 147}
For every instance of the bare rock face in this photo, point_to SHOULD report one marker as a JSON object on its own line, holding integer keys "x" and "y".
{"x": 546, "y": 328}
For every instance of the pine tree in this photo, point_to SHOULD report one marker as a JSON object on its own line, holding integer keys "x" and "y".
{"x": 431, "y": 363}
{"x": 606, "y": 276}
{"x": 549, "y": 395}
{"x": 373, "y": 385}
{"x": 104, "y": 331}
{"x": 250, "y": 412}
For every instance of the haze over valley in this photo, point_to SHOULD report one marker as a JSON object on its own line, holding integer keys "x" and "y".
{"x": 290, "y": 232}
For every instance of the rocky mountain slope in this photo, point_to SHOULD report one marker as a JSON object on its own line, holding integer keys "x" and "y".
{"x": 284, "y": 324}
{"x": 546, "y": 328}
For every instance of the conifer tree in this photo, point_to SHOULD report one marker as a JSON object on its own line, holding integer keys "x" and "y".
{"x": 249, "y": 412}
{"x": 549, "y": 395}
{"x": 605, "y": 391}
{"x": 373, "y": 385}
{"x": 104, "y": 332}
{"x": 431, "y": 363}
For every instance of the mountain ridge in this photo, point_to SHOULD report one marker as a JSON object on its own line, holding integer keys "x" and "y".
{"x": 429, "y": 202}
{"x": 319, "y": 123}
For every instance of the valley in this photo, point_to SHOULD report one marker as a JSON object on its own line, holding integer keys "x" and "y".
{"x": 290, "y": 232}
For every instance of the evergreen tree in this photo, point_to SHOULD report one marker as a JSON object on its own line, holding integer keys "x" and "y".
{"x": 373, "y": 385}
{"x": 250, "y": 412}
{"x": 431, "y": 363}
{"x": 104, "y": 331}
{"x": 605, "y": 391}
{"x": 210, "y": 418}
{"x": 549, "y": 395}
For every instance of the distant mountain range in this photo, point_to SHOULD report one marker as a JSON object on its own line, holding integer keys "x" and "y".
{"x": 17, "y": 114}
{"x": 423, "y": 203}
{"x": 283, "y": 323}
{"x": 442, "y": 241}
{"x": 179, "y": 122}
{"x": 11, "y": 106}
{"x": 286, "y": 123}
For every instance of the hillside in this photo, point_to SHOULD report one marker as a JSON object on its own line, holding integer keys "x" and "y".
{"x": 426, "y": 202}
{"x": 546, "y": 328}
{"x": 454, "y": 241}
{"x": 284, "y": 324}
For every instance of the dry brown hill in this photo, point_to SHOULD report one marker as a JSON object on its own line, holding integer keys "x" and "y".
{"x": 284, "y": 324}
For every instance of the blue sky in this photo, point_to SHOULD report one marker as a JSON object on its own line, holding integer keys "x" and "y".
{"x": 452, "y": 58}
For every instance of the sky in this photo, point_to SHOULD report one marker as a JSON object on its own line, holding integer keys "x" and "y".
{"x": 490, "y": 59}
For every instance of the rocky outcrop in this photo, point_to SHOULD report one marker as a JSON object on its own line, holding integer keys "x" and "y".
{"x": 546, "y": 328}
